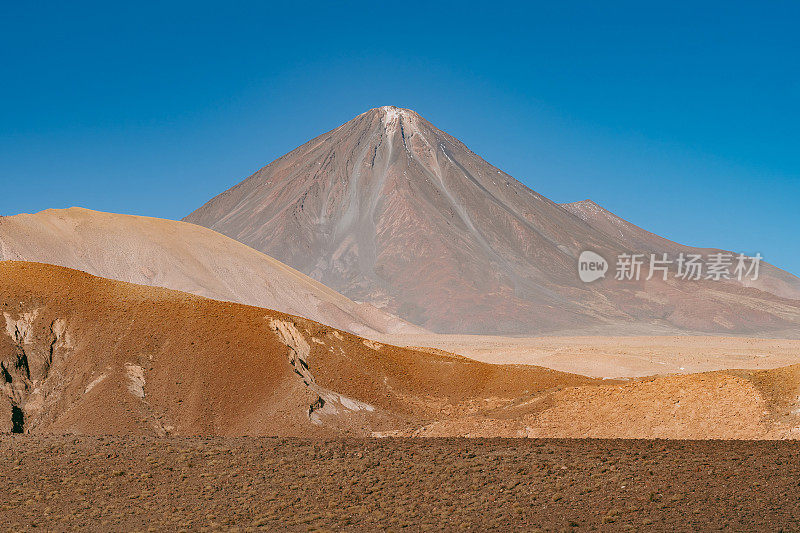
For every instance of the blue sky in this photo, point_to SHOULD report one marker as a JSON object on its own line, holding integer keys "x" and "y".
{"x": 683, "y": 118}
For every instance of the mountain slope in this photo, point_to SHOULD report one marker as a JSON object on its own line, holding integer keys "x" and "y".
{"x": 391, "y": 210}
{"x": 771, "y": 279}
{"x": 184, "y": 257}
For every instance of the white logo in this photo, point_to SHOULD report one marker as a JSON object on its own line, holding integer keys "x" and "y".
{"x": 591, "y": 266}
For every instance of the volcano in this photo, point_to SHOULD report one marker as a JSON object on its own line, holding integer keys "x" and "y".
{"x": 390, "y": 210}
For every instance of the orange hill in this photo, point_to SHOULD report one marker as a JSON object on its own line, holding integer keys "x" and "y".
{"x": 90, "y": 355}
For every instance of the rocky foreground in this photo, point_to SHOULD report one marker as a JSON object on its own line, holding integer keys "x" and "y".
{"x": 170, "y": 484}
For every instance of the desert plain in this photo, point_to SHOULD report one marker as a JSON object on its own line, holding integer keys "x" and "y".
{"x": 615, "y": 356}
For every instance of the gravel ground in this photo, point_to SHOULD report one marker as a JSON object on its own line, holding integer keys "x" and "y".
{"x": 170, "y": 484}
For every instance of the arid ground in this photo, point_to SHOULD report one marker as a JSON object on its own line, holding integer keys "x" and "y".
{"x": 246, "y": 484}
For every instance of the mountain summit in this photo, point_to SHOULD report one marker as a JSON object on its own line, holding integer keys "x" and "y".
{"x": 391, "y": 210}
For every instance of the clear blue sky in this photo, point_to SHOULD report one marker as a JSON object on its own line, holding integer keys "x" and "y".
{"x": 683, "y": 118}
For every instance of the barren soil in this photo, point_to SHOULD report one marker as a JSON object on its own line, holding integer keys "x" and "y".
{"x": 172, "y": 484}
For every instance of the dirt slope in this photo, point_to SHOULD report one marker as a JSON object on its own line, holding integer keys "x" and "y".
{"x": 184, "y": 257}
{"x": 391, "y": 210}
{"x": 85, "y": 354}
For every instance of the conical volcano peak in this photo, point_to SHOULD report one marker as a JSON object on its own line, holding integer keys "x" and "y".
{"x": 389, "y": 209}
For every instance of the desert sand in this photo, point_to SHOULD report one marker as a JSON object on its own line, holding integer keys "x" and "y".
{"x": 618, "y": 356}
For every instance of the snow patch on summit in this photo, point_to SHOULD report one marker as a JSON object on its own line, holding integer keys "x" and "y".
{"x": 391, "y": 113}
{"x": 392, "y": 117}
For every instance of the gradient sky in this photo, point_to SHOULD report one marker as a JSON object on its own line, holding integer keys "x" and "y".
{"x": 683, "y": 118}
